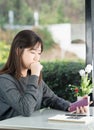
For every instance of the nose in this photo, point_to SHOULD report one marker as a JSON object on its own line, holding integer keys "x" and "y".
{"x": 36, "y": 58}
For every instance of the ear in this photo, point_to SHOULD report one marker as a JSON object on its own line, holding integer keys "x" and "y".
{"x": 17, "y": 51}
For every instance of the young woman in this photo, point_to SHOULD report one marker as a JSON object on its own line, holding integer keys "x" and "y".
{"x": 22, "y": 89}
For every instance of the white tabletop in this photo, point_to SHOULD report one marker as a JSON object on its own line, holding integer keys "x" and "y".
{"x": 39, "y": 121}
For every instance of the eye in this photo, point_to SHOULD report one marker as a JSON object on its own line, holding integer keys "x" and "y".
{"x": 32, "y": 52}
{"x": 39, "y": 53}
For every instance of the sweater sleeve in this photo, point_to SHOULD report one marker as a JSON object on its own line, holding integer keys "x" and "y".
{"x": 23, "y": 103}
{"x": 50, "y": 99}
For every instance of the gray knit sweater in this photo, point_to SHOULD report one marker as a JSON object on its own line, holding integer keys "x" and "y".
{"x": 25, "y": 96}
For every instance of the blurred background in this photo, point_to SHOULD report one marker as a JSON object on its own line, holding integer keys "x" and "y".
{"x": 60, "y": 23}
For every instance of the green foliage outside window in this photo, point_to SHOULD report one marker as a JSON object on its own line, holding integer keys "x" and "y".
{"x": 4, "y": 52}
{"x": 60, "y": 74}
{"x": 50, "y": 11}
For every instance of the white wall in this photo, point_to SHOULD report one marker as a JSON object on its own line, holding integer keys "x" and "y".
{"x": 63, "y": 34}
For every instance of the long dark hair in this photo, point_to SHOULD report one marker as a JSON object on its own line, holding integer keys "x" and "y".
{"x": 24, "y": 39}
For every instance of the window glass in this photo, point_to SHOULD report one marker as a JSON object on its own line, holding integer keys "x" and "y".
{"x": 60, "y": 23}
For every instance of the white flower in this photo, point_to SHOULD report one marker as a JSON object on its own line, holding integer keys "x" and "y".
{"x": 88, "y": 68}
{"x": 82, "y": 72}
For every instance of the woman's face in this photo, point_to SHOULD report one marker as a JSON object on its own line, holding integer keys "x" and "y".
{"x": 31, "y": 56}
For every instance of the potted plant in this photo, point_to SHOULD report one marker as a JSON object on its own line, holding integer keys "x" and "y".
{"x": 86, "y": 86}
